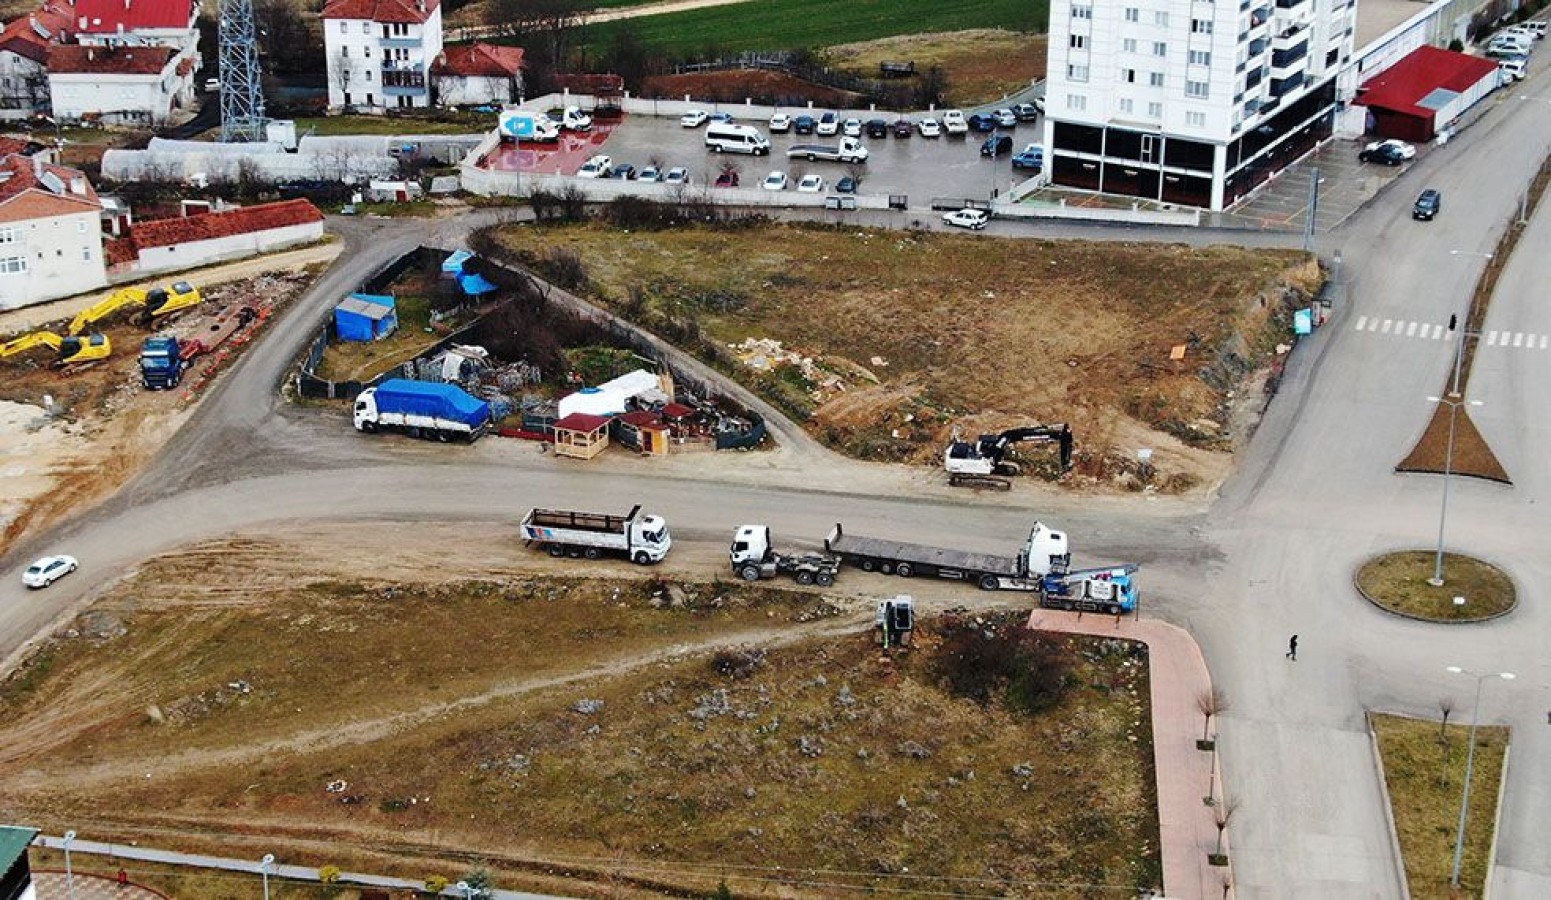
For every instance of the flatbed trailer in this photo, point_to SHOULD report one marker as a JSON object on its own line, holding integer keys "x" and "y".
{"x": 1045, "y": 552}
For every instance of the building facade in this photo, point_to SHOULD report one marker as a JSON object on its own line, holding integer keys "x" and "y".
{"x": 24, "y": 44}
{"x": 380, "y": 51}
{"x": 477, "y": 74}
{"x": 124, "y": 84}
{"x": 1194, "y": 102}
{"x": 50, "y": 232}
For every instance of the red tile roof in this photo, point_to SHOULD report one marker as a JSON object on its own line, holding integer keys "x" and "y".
{"x": 210, "y": 226}
{"x": 641, "y": 417}
{"x": 25, "y": 195}
{"x": 74, "y": 59}
{"x": 9, "y": 146}
{"x": 31, "y": 34}
{"x": 475, "y": 60}
{"x": 105, "y": 16}
{"x": 1404, "y": 85}
{"x": 676, "y": 411}
{"x": 409, "y": 12}
{"x": 582, "y": 422}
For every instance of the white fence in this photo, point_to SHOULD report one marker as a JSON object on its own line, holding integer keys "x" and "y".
{"x": 1134, "y": 215}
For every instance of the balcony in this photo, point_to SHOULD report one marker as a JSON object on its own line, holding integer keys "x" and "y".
{"x": 1286, "y": 35}
{"x": 407, "y": 41}
{"x": 1292, "y": 4}
{"x": 403, "y": 78}
{"x": 1280, "y": 87}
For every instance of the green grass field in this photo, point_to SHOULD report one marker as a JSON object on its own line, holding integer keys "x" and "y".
{"x": 794, "y": 24}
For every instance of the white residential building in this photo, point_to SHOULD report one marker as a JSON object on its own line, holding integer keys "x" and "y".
{"x": 125, "y": 84}
{"x": 24, "y": 44}
{"x": 379, "y": 52}
{"x": 50, "y": 233}
{"x": 1193, "y": 102}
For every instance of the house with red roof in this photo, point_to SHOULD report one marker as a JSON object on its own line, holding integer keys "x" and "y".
{"x": 164, "y": 23}
{"x": 50, "y": 232}
{"x": 162, "y": 245}
{"x": 477, "y": 74}
{"x": 379, "y": 52}
{"x": 1424, "y": 92}
{"x": 24, "y": 44}
{"x": 122, "y": 83}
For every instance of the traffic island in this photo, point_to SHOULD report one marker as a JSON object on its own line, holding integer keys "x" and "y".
{"x": 1401, "y": 583}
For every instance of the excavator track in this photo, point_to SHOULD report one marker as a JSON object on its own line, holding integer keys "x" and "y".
{"x": 980, "y": 482}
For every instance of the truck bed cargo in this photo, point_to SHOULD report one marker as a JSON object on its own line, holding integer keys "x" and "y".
{"x": 642, "y": 539}
{"x": 422, "y": 409}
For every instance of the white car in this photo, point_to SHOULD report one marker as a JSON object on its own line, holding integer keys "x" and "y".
{"x": 775, "y": 181}
{"x": 929, "y": 128}
{"x": 1512, "y": 68}
{"x": 650, "y": 175}
{"x": 48, "y": 570}
{"x": 676, "y": 175}
{"x": 852, "y": 128}
{"x": 954, "y": 123}
{"x": 1005, "y": 118}
{"x": 811, "y": 184}
{"x": 780, "y": 123}
{"x": 973, "y": 219}
{"x": 598, "y": 167}
{"x": 829, "y": 123}
{"x": 1406, "y": 151}
{"x": 694, "y": 118}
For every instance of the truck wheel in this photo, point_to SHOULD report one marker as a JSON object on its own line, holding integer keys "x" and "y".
{"x": 1068, "y": 605}
{"x": 886, "y": 568}
{"x": 804, "y": 577}
{"x": 824, "y": 579}
{"x": 868, "y": 565}
{"x": 988, "y": 582}
{"x": 369, "y": 427}
{"x": 412, "y": 432}
{"x": 443, "y": 436}
{"x": 1112, "y": 609}
{"x": 641, "y": 558}
{"x": 904, "y": 570}
{"x": 556, "y": 550}
{"x": 749, "y": 573}
{"x": 591, "y": 553}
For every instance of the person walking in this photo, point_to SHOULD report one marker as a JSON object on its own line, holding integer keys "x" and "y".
{"x": 1292, "y": 648}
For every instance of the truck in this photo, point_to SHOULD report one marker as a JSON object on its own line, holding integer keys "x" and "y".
{"x": 1109, "y": 589}
{"x": 422, "y": 409}
{"x": 753, "y": 557}
{"x": 849, "y": 150}
{"x": 526, "y": 125}
{"x": 641, "y": 539}
{"x": 161, "y": 362}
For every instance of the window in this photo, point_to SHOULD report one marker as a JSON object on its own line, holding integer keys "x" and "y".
{"x": 1077, "y": 73}
{"x": 1160, "y": 17}
{"x": 1126, "y": 104}
{"x": 13, "y": 265}
{"x": 1200, "y": 57}
{"x": 366, "y": 28}
{"x": 343, "y": 27}
{"x": 1159, "y": 48}
{"x": 368, "y": 76}
{"x": 1128, "y": 76}
{"x": 9, "y": 236}
{"x": 1200, "y": 26}
{"x": 1128, "y": 45}
{"x": 1197, "y": 89}
{"x": 80, "y": 228}
{"x": 1082, "y": 12}
{"x": 344, "y": 52}
{"x": 1195, "y": 119}
{"x": 1078, "y": 102}
{"x": 1155, "y": 79}
{"x": 1133, "y": 14}
{"x": 1155, "y": 110}
{"x": 86, "y": 254}
{"x": 1079, "y": 41}
{"x": 367, "y": 52}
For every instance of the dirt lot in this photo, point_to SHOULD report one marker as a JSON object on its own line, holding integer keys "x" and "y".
{"x": 981, "y": 65}
{"x": 745, "y": 84}
{"x": 105, "y": 425}
{"x": 627, "y": 730}
{"x": 894, "y": 343}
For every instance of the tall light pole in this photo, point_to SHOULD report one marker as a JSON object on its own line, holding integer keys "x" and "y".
{"x": 1308, "y": 227}
{"x": 264, "y": 865}
{"x": 69, "y": 874}
{"x": 1453, "y": 402}
{"x": 1470, "y": 763}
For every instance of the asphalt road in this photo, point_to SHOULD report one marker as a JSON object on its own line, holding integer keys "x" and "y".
{"x": 1315, "y": 495}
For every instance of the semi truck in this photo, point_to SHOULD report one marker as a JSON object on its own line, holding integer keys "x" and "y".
{"x": 754, "y": 558}
{"x": 849, "y": 150}
{"x": 161, "y": 362}
{"x": 422, "y": 409}
{"x": 641, "y": 539}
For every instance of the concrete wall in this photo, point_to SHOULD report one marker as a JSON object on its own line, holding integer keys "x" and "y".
{"x": 63, "y": 256}
{"x": 201, "y": 253}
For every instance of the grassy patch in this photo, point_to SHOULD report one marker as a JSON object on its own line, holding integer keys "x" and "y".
{"x": 795, "y": 24}
{"x": 1398, "y": 582}
{"x": 1424, "y": 769}
{"x": 392, "y": 125}
{"x": 980, "y": 65}
{"x": 352, "y": 361}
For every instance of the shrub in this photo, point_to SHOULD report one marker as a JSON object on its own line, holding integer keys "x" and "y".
{"x": 435, "y": 884}
{"x": 983, "y": 662}
{"x": 329, "y": 874}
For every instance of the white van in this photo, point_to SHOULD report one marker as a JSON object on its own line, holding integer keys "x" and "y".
{"x": 725, "y": 137}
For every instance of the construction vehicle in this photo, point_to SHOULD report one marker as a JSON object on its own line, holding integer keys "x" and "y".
{"x": 149, "y": 305}
{"x": 984, "y": 463}
{"x": 754, "y": 558}
{"x": 1109, "y": 590}
{"x": 68, "y": 351}
{"x": 895, "y": 621}
{"x": 642, "y": 539}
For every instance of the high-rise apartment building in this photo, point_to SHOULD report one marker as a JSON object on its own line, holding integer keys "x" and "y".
{"x": 1189, "y": 101}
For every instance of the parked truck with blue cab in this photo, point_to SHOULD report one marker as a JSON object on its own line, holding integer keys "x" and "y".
{"x": 423, "y": 409}
{"x": 562, "y": 532}
{"x": 161, "y": 362}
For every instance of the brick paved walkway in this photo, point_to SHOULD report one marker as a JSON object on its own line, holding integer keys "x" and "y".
{"x": 52, "y": 886}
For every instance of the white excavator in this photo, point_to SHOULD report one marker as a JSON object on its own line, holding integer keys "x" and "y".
{"x": 983, "y": 463}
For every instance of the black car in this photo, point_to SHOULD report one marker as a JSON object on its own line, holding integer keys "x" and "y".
{"x": 624, "y": 171}
{"x": 876, "y": 128}
{"x": 1388, "y": 154}
{"x": 1025, "y": 112}
{"x": 982, "y": 122}
{"x": 846, "y": 185}
{"x": 996, "y": 145}
{"x": 804, "y": 124}
{"x": 1427, "y": 205}
{"x": 903, "y": 128}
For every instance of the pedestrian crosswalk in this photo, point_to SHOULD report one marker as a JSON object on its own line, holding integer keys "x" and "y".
{"x": 1432, "y": 331}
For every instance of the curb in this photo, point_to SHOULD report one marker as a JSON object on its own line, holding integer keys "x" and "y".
{"x": 1497, "y": 820}
{"x": 1389, "y": 809}
{"x": 1424, "y": 619}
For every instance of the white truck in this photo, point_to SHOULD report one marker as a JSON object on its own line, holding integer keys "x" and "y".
{"x": 526, "y": 125}
{"x": 849, "y": 150}
{"x": 754, "y": 558}
{"x": 641, "y": 539}
{"x": 573, "y": 119}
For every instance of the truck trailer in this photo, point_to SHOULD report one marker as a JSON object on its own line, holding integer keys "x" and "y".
{"x": 641, "y": 539}
{"x": 754, "y": 558}
{"x": 1044, "y": 552}
{"x": 422, "y": 409}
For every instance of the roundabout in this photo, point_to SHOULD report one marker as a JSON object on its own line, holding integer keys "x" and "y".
{"x": 1402, "y": 583}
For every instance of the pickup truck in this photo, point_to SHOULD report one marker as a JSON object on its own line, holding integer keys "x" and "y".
{"x": 849, "y": 150}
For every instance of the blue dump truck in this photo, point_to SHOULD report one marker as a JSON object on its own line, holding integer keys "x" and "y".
{"x": 161, "y": 363}
{"x": 422, "y": 409}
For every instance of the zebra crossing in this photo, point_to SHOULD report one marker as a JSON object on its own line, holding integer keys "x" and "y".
{"x": 1431, "y": 331}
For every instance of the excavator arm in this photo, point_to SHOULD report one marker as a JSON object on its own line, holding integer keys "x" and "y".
{"x": 28, "y": 341}
{"x": 69, "y": 350}
{"x": 107, "y": 307}
{"x": 1060, "y": 434}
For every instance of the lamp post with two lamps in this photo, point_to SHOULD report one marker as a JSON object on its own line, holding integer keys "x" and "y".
{"x": 1453, "y": 402}
{"x": 264, "y": 866}
{"x": 1470, "y": 763}
{"x": 69, "y": 874}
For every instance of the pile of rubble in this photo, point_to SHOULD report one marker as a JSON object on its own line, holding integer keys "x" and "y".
{"x": 767, "y": 355}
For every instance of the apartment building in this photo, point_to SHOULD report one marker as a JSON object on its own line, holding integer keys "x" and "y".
{"x": 50, "y": 232}
{"x": 1192, "y": 102}
{"x": 380, "y": 51}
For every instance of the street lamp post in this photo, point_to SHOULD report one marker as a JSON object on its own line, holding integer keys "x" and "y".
{"x": 1453, "y": 402}
{"x": 69, "y": 873}
{"x": 1470, "y": 763}
{"x": 1308, "y": 227}
{"x": 264, "y": 866}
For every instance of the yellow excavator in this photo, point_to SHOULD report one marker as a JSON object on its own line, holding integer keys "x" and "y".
{"x": 68, "y": 350}
{"x": 151, "y": 305}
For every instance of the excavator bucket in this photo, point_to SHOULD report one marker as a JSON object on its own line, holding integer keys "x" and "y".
{"x": 74, "y": 350}
{"x": 107, "y": 307}
{"x": 28, "y": 341}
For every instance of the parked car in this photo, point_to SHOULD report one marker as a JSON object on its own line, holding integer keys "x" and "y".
{"x": 1031, "y": 157}
{"x": 953, "y": 122}
{"x": 775, "y": 181}
{"x": 727, "y": 179}
{"x": 929, "y": 128}
{"x": 903, "y": 128}
{"x": 996, "y": 145}
{"x": 1508, "y": 51}
{"x": 1026, "y": 112}
{"x": 624, "y": 172}
{"x": 851, "y": 128}
{"x": 1391, "y": 152}
{"x": 48, "y": 570}
{"x": 599, "y": 166}
{"x": 829, "y": 123}
{"x": 982, "y": 122}
{"x": 846, "y": 185}
{"x": 804, "y": 124}
{"x": 722, "y": 117}
{"x": 1534, "y": 26}
{"x": 1005, "y": 118}
{"x": 973, "y": 219}
{"x": 650, "y": 175}
{"x": 1427, "y": 205}
{"x": 780, "y": 123}
{"x": 676, "y": 175}
{"x": 1513, "y": 69}
{"x": 811, "y": 184}
{"x": 694, "y": 118}
{"x": 876, "y": 128}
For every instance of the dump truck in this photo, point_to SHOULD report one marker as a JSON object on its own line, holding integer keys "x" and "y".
{"x": 161, "y": 362}
{"x": 641, "y": 539}
{"x": 422, "y": 409}
{"x": 754, "y": 558}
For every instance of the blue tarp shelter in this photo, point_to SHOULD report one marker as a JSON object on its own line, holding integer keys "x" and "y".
{"x": 365, "y": 317}
{"x": 453, "y": 264}
{"x": 475, "y": 284}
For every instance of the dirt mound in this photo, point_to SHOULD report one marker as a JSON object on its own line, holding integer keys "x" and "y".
{"x": 738, "y": 85}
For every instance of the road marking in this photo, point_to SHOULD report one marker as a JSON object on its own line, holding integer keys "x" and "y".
{"x": 1361, "y": 322}
{"x": 1544, "y": 340}
{"x": 1411, "y": 329}
{"x": 1385, "y": 329}
{"x": 1518, "y": 339}
{"x": 1491, "y": 339}
{"x": 1374, "y": 325}
{"x": 1438, "y": 332}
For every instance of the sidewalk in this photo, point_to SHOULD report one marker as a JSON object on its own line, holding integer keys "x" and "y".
{"x": 52, "y": 885}
{"x": 1187, "y": 828}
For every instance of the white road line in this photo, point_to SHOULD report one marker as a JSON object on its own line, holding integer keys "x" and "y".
{"x": 1411, "y": 328}
{"x": 1491, "y": 339}
{"x": 1544, "y": 340}
{"x": 1438, "y": 332}
{"x": 1361, "y": 322}
{"x": 1518, "y": 339}
{"x": 1387, "y": 323}
{"x": 1374, "y": 325}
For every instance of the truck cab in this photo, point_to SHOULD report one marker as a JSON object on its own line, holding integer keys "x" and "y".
{"x": 365, "y": 415}
{"x": 649, "y": 536}
{"x": 1046, "y": 551}
{"x": 161, "y": 363}
{"x": 751, "y": 546}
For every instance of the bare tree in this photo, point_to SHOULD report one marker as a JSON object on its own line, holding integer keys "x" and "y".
{"x": 545, "y": 28}
{"x": 857, "y": 173}
{"x": 341, "y": 76}
{"x": 1222, "y": 814}
{"x": 1446, "y": 706}
{"x": 1227, "y": 883}
{"x": 1210, "y": 702}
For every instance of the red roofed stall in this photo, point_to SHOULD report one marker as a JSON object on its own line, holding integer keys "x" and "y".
{"x": 1426, "y": 91}
{"x": 581, "y": 435}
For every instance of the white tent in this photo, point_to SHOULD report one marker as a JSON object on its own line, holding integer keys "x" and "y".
{"x": 609, "y": 398}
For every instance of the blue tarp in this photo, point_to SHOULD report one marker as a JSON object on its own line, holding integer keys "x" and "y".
{"x": 475, "y": 284}
{"x": 365, "y": 317}
{"x": 454, "y": 263}
{"x": 425, "y": 398}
